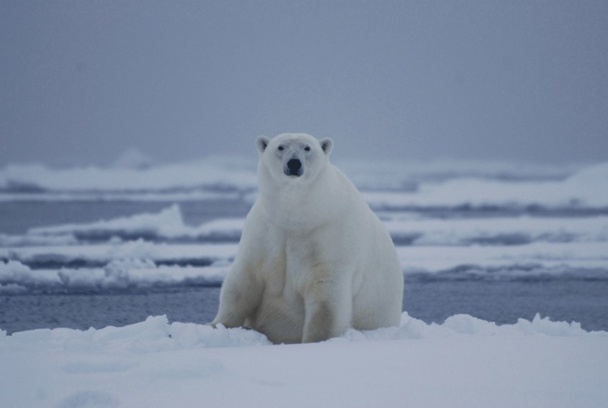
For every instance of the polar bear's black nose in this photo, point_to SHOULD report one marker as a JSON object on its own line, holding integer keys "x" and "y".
{"x": 294, "y": 166}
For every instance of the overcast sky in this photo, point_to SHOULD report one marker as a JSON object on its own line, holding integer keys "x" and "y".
{"x": 82, "y": 81}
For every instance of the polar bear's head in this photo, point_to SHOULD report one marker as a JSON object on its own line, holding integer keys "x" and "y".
{"x": 293, "y": 155}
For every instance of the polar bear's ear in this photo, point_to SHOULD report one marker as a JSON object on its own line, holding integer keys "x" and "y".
{"x": 262, "y": 143}
{"x": 327, "y": 145}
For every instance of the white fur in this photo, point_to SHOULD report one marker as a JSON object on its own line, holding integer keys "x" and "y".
{"x": 313, "y": 260}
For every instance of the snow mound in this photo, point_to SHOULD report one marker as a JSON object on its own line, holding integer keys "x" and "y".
{"x": 157, "y": 334}
{"x": 412, "y": 328}
{"x": 463, "y": 362}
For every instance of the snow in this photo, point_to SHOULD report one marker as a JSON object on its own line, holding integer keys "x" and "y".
{"x": 464, "y": 362}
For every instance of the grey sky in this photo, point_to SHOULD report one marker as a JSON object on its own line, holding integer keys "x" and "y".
{"x": 82, "y": 81}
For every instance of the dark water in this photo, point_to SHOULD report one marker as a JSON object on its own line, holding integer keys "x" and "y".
{"x": 81, "y": 311}
{"x": 502, "y": 302}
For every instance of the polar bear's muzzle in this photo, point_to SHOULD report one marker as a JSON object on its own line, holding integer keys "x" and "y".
{"x": 293, "y": 168}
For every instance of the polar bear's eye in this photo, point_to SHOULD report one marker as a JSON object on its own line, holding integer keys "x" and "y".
{"x": 281, "y": 148}
{"x": 307, "y": 148}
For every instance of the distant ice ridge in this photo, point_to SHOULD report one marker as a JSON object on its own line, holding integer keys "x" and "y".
{"x": 386, "y": 185}
{"x": 405, "y": 228}
{"x": 131, "y": 175}
{"x": 585, "y": 188}
{"x": 518, "y": 230}
{"x": 168, "y": 224}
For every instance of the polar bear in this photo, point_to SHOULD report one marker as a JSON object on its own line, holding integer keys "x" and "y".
{"x": 313, "y": 260}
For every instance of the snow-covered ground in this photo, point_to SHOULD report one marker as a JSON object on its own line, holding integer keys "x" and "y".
{"x": 449, "y": 221}
{"x": 465, "y": 362}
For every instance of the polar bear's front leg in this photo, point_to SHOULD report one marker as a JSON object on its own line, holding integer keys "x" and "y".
{"x": 239, "y": 298}
{"x": 328, "y": 308}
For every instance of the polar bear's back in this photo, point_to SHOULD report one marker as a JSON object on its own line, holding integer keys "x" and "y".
{"x": 378, "y": 279}
{"x": 378, "y": 302}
